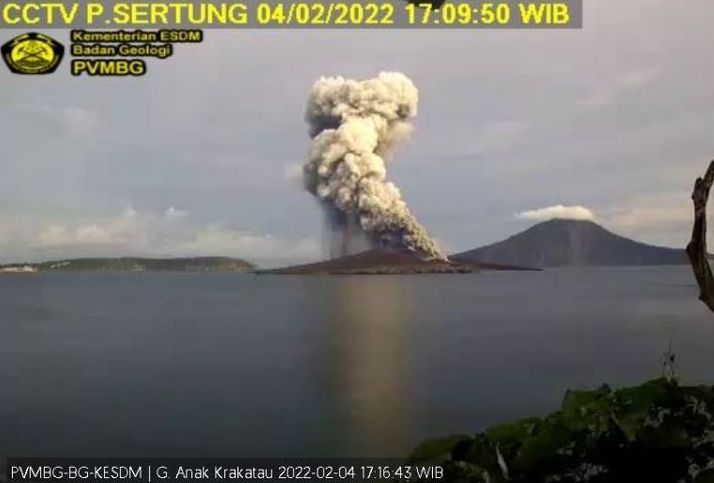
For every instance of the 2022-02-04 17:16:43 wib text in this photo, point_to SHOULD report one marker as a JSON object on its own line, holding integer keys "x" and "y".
{"x": 54, "y": 471}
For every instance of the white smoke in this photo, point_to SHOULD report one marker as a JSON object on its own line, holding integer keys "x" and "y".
{"x": 356, "y": 125}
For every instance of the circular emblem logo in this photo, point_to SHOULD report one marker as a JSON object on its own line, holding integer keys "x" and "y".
{"x": 32, "y": 53}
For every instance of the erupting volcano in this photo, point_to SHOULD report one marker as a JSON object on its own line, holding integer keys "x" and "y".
{"x": 355, "y": 128}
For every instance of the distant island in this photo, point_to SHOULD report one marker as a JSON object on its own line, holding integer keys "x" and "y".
{"x": 133, "y": 264}
{"x": 572, "y": 243}
{"x": 551, "y": 244}
{"x": 382, "y": 261}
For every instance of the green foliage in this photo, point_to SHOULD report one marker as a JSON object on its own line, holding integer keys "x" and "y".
{"x": 659, "y": 432}
{"x": 436, "y": 449}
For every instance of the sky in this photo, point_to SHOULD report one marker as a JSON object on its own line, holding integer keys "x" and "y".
{"x": 202, "y": 155}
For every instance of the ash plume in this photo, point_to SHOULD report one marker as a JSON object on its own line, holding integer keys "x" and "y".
{"x": 356, "y": 126}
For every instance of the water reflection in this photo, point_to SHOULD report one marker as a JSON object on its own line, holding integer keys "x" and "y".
{"x": 370, "y": 356}
{"x": 224, "y": 365}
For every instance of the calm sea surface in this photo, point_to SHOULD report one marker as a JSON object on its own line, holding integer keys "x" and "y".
{"x": 223, "y": 365}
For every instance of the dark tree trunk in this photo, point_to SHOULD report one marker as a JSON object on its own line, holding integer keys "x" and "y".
{"x": 697, "y": 247}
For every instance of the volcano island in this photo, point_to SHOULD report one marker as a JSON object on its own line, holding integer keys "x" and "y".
{"x": 387, "y": 261}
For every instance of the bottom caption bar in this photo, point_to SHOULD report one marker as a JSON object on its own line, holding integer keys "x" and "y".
{"x": 219, "y": 470}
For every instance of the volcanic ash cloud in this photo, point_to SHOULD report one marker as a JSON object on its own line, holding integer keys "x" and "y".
{"x": 356, "y": 126}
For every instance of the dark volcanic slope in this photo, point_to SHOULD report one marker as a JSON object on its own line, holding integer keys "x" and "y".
{"x": 566, "y": 243}
{"x": 383, "y": 261}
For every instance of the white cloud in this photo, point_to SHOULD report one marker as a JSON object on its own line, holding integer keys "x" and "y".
{"x": 633, "y": 79}
{"x": 129, "y": 213}
{"x": 661, "y": 218}
{"x": 174, "y": 214}
{"x": 55, "y": 235}
{"x": 112, "y": 231}
{"x": 575, "y": 212}
{"x": 220, "y": 240}
{"x": 168, "y": 234}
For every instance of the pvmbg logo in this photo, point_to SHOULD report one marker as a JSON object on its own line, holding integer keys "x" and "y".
{"x": 32, "y": 53}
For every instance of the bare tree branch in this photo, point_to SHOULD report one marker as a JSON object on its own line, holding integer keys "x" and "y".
{"x": 697, "y": 247}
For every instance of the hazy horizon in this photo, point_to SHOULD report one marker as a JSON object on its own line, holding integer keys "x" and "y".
{"x": 276, "y": 262}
